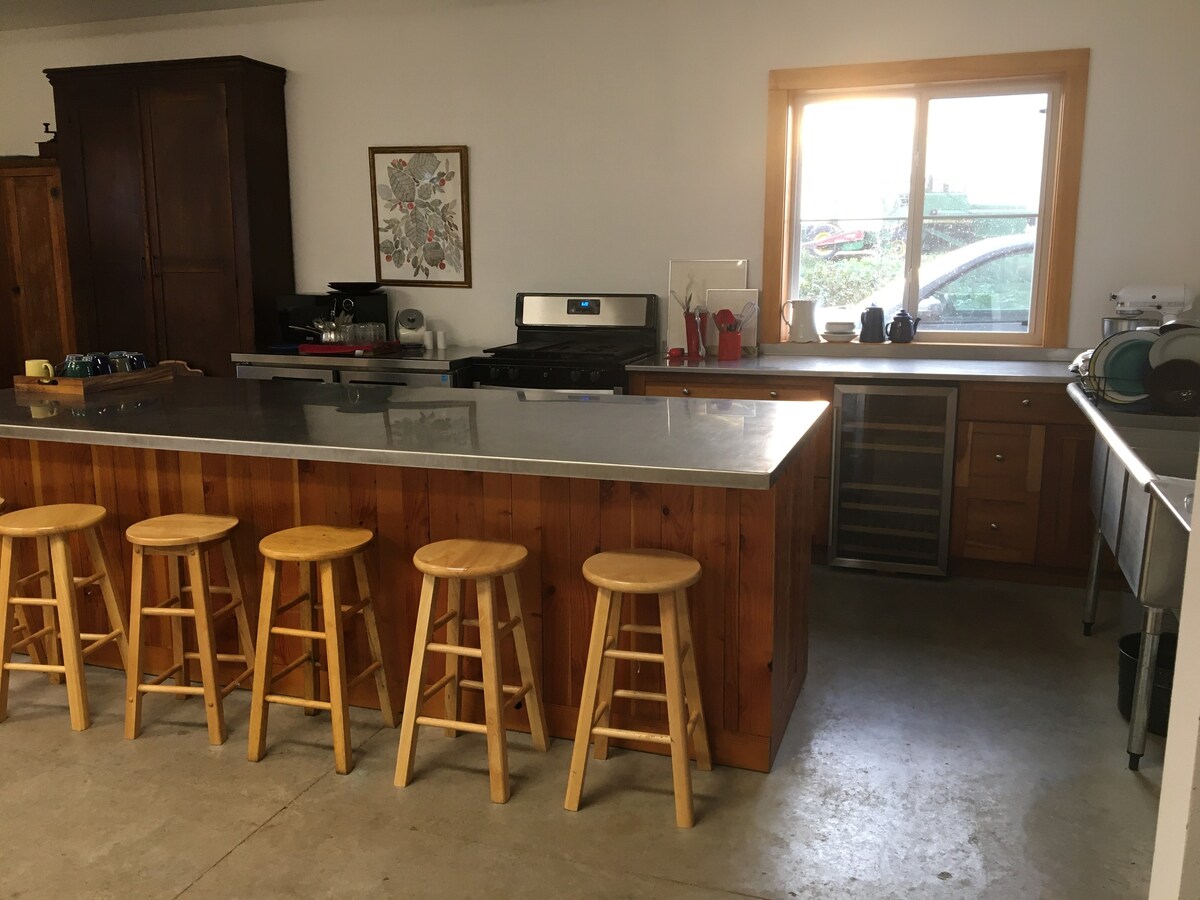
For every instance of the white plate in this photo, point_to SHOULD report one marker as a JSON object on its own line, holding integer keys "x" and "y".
{"x": 839, "y": 337}
{"x": 1105, "y": 349}
{"x": 1181, "y": 344}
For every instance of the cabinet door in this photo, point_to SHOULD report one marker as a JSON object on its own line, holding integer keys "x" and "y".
{"x": 1066, "y": 527}
{"x": 192, "y": 246}
{"x": 101, "y": 160}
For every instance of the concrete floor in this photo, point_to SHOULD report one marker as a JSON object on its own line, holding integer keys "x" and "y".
{"x": 956, "y": 739}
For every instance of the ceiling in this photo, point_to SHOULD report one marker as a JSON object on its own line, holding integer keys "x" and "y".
{"x": 15, "y": 14}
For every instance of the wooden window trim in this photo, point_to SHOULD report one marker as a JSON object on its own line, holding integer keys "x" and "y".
{"x": 1069, "y": 68}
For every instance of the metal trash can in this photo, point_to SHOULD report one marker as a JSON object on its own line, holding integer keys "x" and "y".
{"x": 1130, "y": 646}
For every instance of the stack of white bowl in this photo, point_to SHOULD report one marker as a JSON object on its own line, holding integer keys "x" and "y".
{"x": 839, "y": 332}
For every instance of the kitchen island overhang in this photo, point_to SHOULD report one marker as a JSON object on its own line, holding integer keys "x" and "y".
{"x": 565, "y": 475}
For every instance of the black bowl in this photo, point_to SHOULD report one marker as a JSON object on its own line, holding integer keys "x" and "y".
{"x": 1174, "y": 387}
{"x": 354, "y": 287}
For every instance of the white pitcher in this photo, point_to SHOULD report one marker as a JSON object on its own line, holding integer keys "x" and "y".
{"x": 801, "y": 318}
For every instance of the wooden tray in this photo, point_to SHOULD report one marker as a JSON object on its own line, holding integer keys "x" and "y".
{"x": 96, "y": 384}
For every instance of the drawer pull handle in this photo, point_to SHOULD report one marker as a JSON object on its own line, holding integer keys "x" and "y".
{"x": 1026, "y": 402}
{"x": 774, "y": 395}
{"x": 687, "y": 392}
{"x": 995, "y": 527}
{"x": 999, "y": 457}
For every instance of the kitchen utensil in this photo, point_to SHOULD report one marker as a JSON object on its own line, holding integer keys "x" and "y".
{"x": 1121, "y": 382}
{"x": 1111, "y": 325}
{"x": 903, "y": 327}
{"x": 1174, "y": 386}
{"x": 1162, "y": 300}
{"x": 872, "y": 325}
{"x": 354, "y": 287}
{"x": 726, "y": 320}
{"x": 691, "y": 330}
{"x": 39, "y": 368}
{"x": 801, "y": 319}
{"x": 838, "y": 337}
{"x": 1183, "y": 343}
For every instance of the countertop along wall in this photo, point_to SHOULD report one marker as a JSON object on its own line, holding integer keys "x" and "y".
{"x": 608, "y": 137}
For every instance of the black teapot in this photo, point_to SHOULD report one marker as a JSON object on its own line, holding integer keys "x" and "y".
{"x": 872, "y": 325}
{"x": 903, "y": 328}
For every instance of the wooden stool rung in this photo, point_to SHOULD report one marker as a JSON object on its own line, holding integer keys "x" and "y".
{"x": 636, "y": 655}
{"x": 642, "y": 629}
{"x": 443, "y": 619}
{"x": 478, "y": 686}
{"x": 40, "y": 573}
{"x": 159, "y": 679}
{"x": 213, "y": 590}
{"x": 652, "y": 736}
{"x": 179, "y": 612}
{"x": 25, "y": 642}
{"x": 473, "y": 727}
{"x": 684, "y": 649}
{"x": 439, "y": 685}
{"x": 220, "y": 657}
{"x": 233, "y": 685}
{"x": 34, "y": 667}
{"x": 473, "y": 652}
{"x": 516, "y": 696}
{"x": 226, "y": 610}
{"x": 364, "y": 674}
{"x": 641, "y": 695}
{"x": 303, "y": 598}
{"x": 601, "y": 709}
{"x": 502, "y": 630}
{"x": 190, "y": 690}
{"x": 100, "y": 640}
{"x": 290, "y": 667}
{"x": 353, "y": 609}
{"x": 82, "y": 581}
{"x": 692, "y": 720}
{"x": 33, "y": 601}
{"x": 298, "y": 632}
{"x": 298, "y": 701}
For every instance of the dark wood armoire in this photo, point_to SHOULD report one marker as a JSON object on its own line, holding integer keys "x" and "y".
{"x": 178, "y": 211}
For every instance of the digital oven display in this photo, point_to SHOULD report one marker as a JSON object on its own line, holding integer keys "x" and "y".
{"x": 589, "y": 306}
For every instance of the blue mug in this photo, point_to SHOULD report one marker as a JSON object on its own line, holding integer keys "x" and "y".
{"x": 100, "y": 363}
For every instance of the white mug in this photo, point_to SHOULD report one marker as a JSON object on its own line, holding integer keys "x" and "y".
{"x": 39, "y": 368}
{"x": 427, "y": 339}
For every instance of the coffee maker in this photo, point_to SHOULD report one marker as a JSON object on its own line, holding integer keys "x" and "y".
{"x": 280, "y": 331}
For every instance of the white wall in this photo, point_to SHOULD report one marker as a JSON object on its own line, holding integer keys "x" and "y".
{"x": 608, "y": 136}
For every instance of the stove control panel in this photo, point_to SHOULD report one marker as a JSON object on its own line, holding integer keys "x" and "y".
{"x": 583, "y": 306}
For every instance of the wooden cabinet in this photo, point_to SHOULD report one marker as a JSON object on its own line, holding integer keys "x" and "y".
{"x": 35, "y": 288}
{"x": 175, "y": 183}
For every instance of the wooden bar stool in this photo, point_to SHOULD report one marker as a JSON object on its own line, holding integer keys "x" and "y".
{"x": 186, "y": 538}
{"x": 480, "y": 561}
{"x": 319, "y": 545}
{"x": 642, "y": 572}
{"x": 24, "y": 638}
{"x": 51, "y": 526}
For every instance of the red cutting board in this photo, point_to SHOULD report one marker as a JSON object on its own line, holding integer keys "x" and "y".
{"x": 349, "y": 349}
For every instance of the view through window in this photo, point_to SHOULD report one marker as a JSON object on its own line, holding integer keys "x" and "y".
{"x": 927, "y": 200}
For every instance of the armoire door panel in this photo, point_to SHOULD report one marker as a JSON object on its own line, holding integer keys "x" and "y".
{"x": 10, "y": 282}
{"x": 198, "y": 328}
{"x": 37, "y": 303}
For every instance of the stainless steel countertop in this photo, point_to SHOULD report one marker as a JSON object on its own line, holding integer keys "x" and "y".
{"x": 444, "y": 360}
{"x": 719, "y": 443}
{"x": 869, "y": 368}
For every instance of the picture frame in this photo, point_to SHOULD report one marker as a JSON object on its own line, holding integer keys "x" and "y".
{"x": 420, "y": 216}
{"x": 698, "y": 277}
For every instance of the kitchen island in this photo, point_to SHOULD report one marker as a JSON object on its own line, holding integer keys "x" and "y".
{"x": 564, "y": 474}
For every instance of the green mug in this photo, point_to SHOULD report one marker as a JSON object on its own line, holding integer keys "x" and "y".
{"x": 77, "y": 366}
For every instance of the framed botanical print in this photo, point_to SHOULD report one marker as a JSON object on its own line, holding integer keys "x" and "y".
{"x": 419, "y": 206}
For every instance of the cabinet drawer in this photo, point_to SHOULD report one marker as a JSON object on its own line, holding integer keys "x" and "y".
{"x": 999, "y": 459}
{"x": 1004, "y": 530}
{"x": 1044, "y": 404}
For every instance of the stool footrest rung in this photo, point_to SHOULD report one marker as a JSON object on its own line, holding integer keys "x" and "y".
{"x": 82, "y": 581}
{"x": 362, "y": 676}
{"x": 298, "y": 701}
{"x": 642, "y": 629}
{"x": 478, "y": 686}
{"x": 26, "y": 641}
{"x": 189, "y": 690}
{"x": 179, "y": 612}
{"x": 159, "y": 679}
{"x": 601, "y": 709}
{"x": 214, "y": 590}
{"x": 34, "y": 667}
{"x": 641, "y": 695}
{"x": 233, "y": 685}
{"x": 100, "y": 640}
{"x": 516, "y": 696}
{"x": 502, "y": 630}
{"x": 40, "y": 573}
{"x": 473, "y": 727}
{"x": 692, "y": 720}
{"x": 652, "y": 736}
{"x": 226, "y": 610}
{"x": 441, "y": 620}
{"x": 437, "y": 686}
{"x": 298, "y": 632}
{"x": 33, "y": 601}
{"x": 304, "y": 597}
{"x": 221, "y": 657}
{"x": 636, "y": 655}
{"x": 473, "y": 652}
{"x": 290, "y": 667}
{"x": 353, "y": 609}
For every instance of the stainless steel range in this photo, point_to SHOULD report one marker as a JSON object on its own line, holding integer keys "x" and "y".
{"x": 573, "y": 342}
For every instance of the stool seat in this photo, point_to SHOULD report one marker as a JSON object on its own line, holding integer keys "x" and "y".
{"x": 58, "y": 518}
{"x": 641, "y": 571}
{"x": 314, "y": 543}
{"x": 465, "y": 558}
{"x": 179, "y": 528}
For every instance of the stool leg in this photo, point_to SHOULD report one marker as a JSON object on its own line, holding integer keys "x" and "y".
{"x": 245, "y": 635}
{"x": 49, "y": 620}
{"x": 307, "y": 645}
{"x": 676, "y": 710}
{"x": 608, "y": 672}
{"x": 453, "y": 661}
{"x": 416, "y": 684}
{"x": 178, "y": 646}
{"x": 133, "y": 669}
{"x": 116, "y": 612}
{"x": 262, "y": 661}
{"x": 206, "y": 644}
{"x": 336, "y": 670}
{"x": 493, "y": 692}
{"x": 7, "y": 620}
{"x": 372, "y": 625}
{"x": 533, "y": 699}
{"x": 72, "y": 648}
{"x": 691, "y": 684}
{"x": 587, "y": 700}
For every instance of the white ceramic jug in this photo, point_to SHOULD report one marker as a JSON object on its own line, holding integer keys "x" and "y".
{"x": 801, "y": 317}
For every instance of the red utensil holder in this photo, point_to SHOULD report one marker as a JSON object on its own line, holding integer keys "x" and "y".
{"x": 729, "y": 345}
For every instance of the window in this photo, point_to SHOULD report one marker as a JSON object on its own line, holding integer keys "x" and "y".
{"x": 944, "y": 187}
